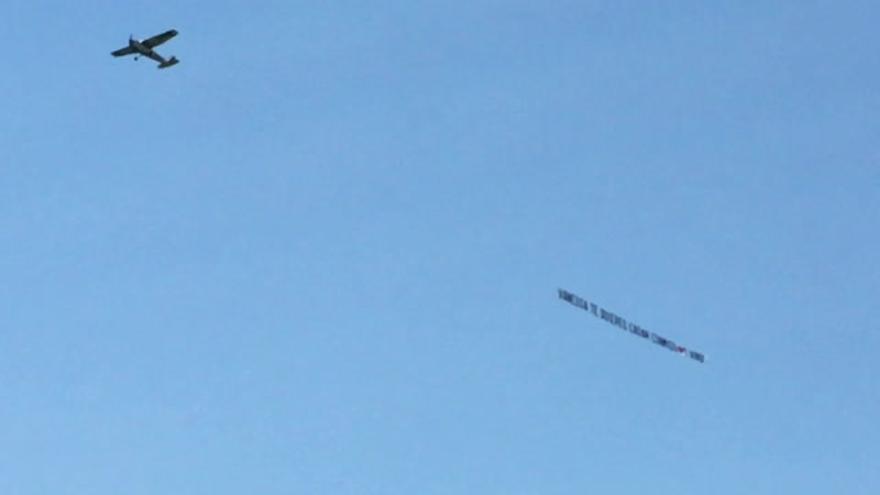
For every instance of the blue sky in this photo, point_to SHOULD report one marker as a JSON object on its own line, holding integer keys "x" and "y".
{"x": 321, "y": 254}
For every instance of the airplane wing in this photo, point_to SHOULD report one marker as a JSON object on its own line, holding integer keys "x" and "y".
{"x": 159, "y": 38}
{"x": 123, "y": 51}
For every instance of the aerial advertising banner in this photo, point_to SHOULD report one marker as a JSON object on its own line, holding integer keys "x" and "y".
{"x": 628, "y": 326}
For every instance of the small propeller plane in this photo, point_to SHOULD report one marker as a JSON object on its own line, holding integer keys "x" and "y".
{"x": 145, "y": 48}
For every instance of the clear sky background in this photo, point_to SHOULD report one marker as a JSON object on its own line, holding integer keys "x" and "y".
{"x": 321, "y": 254}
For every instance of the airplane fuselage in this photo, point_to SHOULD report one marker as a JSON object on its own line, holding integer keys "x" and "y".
{"x": 139, "y": 47}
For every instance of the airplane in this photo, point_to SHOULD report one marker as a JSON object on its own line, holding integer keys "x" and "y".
{"x": 145, "y": 48}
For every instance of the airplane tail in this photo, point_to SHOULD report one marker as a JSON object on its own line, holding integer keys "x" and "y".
{"x": 168, "y": 63}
